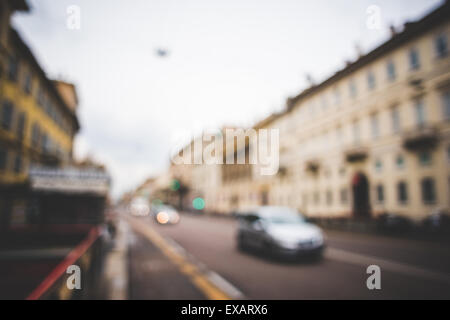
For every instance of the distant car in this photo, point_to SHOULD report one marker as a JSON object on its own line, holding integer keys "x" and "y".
{"x": 438, "y": 220}
{"x": 139, "y": 207}
{"x": 279, "y": 231}
{"x": 388, "y": 222}
{"x": 166, "y": 215}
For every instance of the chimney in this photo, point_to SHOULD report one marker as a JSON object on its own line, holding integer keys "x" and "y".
{"x": 358, "y": 50}
{"x": 309, "y": 79}
{"x": 393, "y": 30}
{"x": 68, "y": 93}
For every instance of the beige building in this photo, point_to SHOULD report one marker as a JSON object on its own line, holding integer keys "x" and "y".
{"x": 373, "y": 138}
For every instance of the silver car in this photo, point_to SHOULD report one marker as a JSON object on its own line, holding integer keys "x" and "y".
{"x": 279, "y": 231}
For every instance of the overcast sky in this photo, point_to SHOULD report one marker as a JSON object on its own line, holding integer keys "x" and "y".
{"x": 230, "y": 62}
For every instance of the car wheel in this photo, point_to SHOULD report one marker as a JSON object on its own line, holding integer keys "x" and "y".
{"x": 241, "y": 244}
{"x": 269, "y": 250}
{"x": 317, "y": 256}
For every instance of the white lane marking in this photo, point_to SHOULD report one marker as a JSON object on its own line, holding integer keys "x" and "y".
{"x": 219, "y": 281}
{"x": 365, "y": 260}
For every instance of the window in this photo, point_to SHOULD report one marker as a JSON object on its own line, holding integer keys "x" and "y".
{"x": 7, "y": 115}
{"x": 371, "y": 80}
{"x": 400, "y": 162}
{"x": 48, "y": 107}
{"x": 35, "y": 135}
{"x": 316, "y": 197}
{"x": 324, "y": 102}
{"x": 414, "y": 59}
{"x": 395, "y": 117}
{"x": 420, "y": 113}
{"x": 3, "y": 159}
{"x": 45, "y": 143}
{"x": 352, "y": 88}
{"x": 13, "y": 68}
{"x": 329, "y": 197}
{"x": 340, "y": 135}
{"x": 378, "y": 165}
{"x": 21, "y": 126}
{"x": 448, "y": 154}
{"x": 441, "y": 45}
{"x": 41, "y": 97}
{"x": 446, "y": 105}
{"x": 391, "y": 71}
{"x": 305, "y": 200}
{"x": 18, "y": 164}
{"x": 402, "y": 192}
{"x": 27, "y": 83}
{"x": 374, "y": 123}
{"x": 337, "y": 96}
{"x": 327, "y": 173}
{"x": 312, "y": 110}
{"x": 428, "y": 190}
{"x": 425, "y": 159}
{"x": 344, "y": 195}
{"x": 380, "y": 193}
{"x": 356, "y": 133}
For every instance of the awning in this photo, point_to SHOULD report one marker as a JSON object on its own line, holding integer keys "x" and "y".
{"x": 70, "y": 180}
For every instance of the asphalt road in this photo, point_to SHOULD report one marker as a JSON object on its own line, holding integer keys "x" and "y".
{"x": 409, "y": 269}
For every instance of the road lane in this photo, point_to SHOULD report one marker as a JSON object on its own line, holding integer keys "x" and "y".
{"x": 426, "y": 255}
{"x": 211, "y": 240}
{"x": 152, "y": 276}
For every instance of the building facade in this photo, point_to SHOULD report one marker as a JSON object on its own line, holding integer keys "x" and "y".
{"x": 373, "y": 138}
{"x": 38, "y": 119}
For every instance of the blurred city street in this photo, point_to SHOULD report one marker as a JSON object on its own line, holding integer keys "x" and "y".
{"x": 224, "y": 150}
{"x": 409, "y": 269}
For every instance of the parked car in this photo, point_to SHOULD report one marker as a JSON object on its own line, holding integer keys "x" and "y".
{"x": 393, "y": 223}
{"x": 438, "y": 220}
{"x": 279, "y": 231}
{"x": 166, "y": 215}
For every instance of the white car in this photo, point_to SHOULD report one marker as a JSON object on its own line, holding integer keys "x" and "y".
{"x": 139, "y": 207}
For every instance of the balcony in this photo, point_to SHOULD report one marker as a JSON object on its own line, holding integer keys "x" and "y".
{"x": 282, "y": 172}
{"x": 50, "y": 159}
{"x": 356, "y": 154}
{"x": 424, "y": 138}
{"x": 416, "y": 83}
{"x": 312, "y": 166}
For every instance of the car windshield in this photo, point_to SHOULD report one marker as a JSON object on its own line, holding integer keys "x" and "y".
{"x": 281, "y": 216}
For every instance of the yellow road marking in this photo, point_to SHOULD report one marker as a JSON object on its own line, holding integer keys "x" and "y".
{"x": 211, "y": 291}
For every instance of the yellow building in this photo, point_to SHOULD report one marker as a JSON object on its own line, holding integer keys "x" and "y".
{"x": 38, "y": 119}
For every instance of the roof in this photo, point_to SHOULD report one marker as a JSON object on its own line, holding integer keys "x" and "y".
{"x": 68, "y": 92}
{"x": 26, "y": 52}
{"x": 268, "y": 120}
{"x": 411, "y": 30}
{"x": 19, "y": 5}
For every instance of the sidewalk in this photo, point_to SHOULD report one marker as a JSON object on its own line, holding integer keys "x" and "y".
{"x": 115, "y": 276}
{"x": 153, "y": 276}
